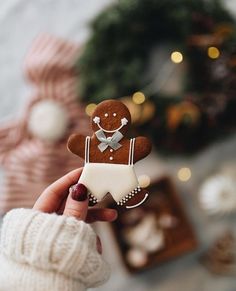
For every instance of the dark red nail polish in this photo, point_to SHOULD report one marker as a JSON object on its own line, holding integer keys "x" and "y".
{"x": 79, "y": 192}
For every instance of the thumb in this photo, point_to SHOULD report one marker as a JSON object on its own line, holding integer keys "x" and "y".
{"x": 77, "y": 202}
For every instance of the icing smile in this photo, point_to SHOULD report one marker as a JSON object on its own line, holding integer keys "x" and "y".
{"x": 96, "y": 120}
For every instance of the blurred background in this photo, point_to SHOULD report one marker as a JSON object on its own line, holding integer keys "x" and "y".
{"x": 173, "y": 63}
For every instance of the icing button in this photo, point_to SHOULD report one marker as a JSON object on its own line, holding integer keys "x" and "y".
{"x": 111, "y": 158}
{"x": 111, "y": 150}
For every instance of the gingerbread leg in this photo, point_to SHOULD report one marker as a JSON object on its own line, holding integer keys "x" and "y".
{"x": 137, "y": 199}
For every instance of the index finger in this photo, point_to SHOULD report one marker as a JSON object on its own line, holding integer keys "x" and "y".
{"x": 53, "y": 196}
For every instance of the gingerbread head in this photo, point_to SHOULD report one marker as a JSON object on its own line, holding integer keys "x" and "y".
{"x": 109, "y": 156}
{"x": 111, "y": 116}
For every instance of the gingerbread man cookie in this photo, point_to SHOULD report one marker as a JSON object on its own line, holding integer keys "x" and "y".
{"x": 109, "y": 156}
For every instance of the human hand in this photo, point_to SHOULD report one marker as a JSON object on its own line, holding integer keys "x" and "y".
{"x": 55, "y": 199}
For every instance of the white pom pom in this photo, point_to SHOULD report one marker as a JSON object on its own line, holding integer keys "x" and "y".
{"x": 48, "y": 121}
{"x": 218, "y": 195}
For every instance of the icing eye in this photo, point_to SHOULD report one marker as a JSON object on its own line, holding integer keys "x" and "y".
{"x": 114, "y": 114}
{"x": 106, "y": 114}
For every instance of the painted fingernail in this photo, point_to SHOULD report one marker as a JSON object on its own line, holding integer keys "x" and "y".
{"x": 79, "y": 192}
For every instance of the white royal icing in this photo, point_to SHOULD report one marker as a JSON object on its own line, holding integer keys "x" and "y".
{"x": 119, "y": 180}
{"x": 101, "y": 178}
{"x": 97, "y": 120}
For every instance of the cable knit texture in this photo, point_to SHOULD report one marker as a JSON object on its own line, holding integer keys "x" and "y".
{"x": 42, "y": 251}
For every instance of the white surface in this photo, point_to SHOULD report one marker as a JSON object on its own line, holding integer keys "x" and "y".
{"x": 20, "y": 22}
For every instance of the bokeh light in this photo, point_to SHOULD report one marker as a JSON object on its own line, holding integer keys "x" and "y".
{"x": 144, "y": 181}
{"x": 176, "y": 57}
{"x": 138, "y": 98}
{"x": 90, "y": 109}
{"x": 184, "y": 174}
{"x": 213, "y": 52}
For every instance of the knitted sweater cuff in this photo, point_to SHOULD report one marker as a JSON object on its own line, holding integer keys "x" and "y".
{"x": 53, "y": 243}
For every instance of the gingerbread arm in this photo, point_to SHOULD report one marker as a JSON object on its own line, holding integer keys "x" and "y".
{"x": 76, "y": 144}
{"x": 142, "y": 148}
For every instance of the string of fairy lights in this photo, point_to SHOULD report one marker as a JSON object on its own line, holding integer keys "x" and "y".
{"x": 212, "y": 52}
{"x": 176, "y": 57}
{"x": 183, "y": 174}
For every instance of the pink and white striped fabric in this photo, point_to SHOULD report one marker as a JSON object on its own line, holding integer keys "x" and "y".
{"x": 30, "y": 164}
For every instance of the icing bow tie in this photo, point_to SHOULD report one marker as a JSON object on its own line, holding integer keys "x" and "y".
{"x": 111, "y": 141}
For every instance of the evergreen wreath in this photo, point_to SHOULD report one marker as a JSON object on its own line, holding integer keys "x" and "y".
{"x": 202, "y": 33}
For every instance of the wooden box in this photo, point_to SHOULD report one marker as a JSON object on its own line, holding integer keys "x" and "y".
{"x": 171, "y": 228}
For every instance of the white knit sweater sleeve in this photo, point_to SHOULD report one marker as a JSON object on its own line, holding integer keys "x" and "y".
{"x": 40, "y": 251}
